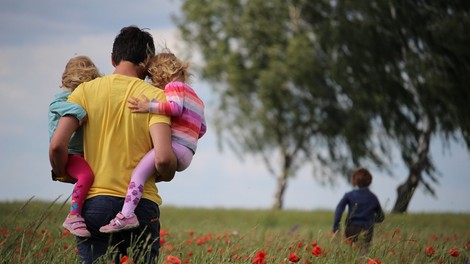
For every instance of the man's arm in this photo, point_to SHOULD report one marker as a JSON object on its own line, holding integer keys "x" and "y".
{"x": 58, "y": 148}
{"x": 165, "y": 160}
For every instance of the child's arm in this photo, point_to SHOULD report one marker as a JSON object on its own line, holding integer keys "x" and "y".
{"x": 203, "y": 128}
{"x": 175, "y": 96}
{"x": 173, "y": 107}
{"x": 339, "y": 212}
{"x": 379, "y": 215}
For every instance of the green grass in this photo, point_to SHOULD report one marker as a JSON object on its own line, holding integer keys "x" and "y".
{"x": 31, "y": 232}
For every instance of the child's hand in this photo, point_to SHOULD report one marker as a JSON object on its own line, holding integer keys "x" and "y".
{"x": 139, "y": 106}
{"x": 334, "y": 236}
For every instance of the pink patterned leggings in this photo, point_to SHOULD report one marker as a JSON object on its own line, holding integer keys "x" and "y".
{"x": 78, "y": 168}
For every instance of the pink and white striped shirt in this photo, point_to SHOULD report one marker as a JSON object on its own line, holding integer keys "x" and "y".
{"x": 187, "y": 113}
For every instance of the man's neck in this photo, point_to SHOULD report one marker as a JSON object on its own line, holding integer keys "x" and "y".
{"x": 127, "y": 68}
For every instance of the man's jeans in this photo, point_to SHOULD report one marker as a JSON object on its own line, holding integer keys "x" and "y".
{"x": 99, "y": 210}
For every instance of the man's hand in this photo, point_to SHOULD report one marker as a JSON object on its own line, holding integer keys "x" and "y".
{"x": 66, "y": 179}
{"x": 139, "y": 106}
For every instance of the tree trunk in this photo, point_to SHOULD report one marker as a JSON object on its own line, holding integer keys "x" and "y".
{"x": 278, "y": 202}
{"x": 406, "y": 190}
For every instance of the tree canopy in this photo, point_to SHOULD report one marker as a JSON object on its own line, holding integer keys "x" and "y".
{"x": 333, "y": 84}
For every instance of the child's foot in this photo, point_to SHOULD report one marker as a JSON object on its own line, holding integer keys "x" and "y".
{"x": 76, "y": 225}
{"x": 120, "y": 223}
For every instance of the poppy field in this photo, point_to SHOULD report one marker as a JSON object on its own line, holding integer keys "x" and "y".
{"x": 31, "y": 232}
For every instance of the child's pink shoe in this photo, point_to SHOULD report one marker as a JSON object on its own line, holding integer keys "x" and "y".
{"x": 120, "y": 223}
{"x": 76, "y": 225}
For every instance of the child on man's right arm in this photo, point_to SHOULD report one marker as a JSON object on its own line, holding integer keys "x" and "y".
{"x": 187, "y": 125}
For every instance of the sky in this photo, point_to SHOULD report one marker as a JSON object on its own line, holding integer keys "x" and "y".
{"x": 37, "y": 38}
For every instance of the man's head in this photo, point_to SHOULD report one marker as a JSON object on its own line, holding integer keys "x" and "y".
{"x": 134, "y": 45}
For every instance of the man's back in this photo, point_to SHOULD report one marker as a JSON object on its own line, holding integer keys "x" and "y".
{"x": 116, "y": 139}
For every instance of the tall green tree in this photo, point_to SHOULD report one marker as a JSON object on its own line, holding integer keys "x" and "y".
{"x": 275, "y": 98}
{"x": 329, "y": 83}
{"x": 409, "y": 57}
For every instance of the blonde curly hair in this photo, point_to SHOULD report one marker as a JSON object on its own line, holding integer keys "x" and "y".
{"x": 165, "y": 67}
{"x": 78, "y": 70}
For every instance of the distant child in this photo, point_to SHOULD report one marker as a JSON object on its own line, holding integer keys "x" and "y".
{"x": 78, "y": 70}
{"x": 364, "y": 210}
{"x": 188, "y": 125}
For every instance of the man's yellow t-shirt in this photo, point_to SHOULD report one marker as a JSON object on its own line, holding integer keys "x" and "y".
{"x": 115, "y": 139}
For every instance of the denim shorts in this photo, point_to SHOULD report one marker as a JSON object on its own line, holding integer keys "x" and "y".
{"x": 144, "y": 240}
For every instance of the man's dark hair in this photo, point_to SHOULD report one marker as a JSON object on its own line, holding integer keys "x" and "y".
{"x": 132, "y": 44}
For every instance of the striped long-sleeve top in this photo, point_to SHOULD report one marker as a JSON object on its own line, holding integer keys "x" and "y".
{"x": 187, "y": 113}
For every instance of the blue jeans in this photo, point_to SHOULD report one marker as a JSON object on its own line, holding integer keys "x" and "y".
{"x": 145, "y": 240}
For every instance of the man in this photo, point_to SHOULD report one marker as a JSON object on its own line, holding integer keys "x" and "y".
{"x": 115, "y": 140}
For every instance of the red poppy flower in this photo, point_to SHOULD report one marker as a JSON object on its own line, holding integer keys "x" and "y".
{"x": 454, "y": 252}
{"x": 259, "y": 258}
{"x": 316, "y": 251}
{"x": 125, "y": 260}
{"x": 170, "y": 259}
{"x": 430, "y": 251}
{"x": 374, "y": 261}
{"x": 293, "y": 257}
{"x": 163, "y": 233}
{"x": 468, "y": 246}
{"x": 170, "y": 247}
